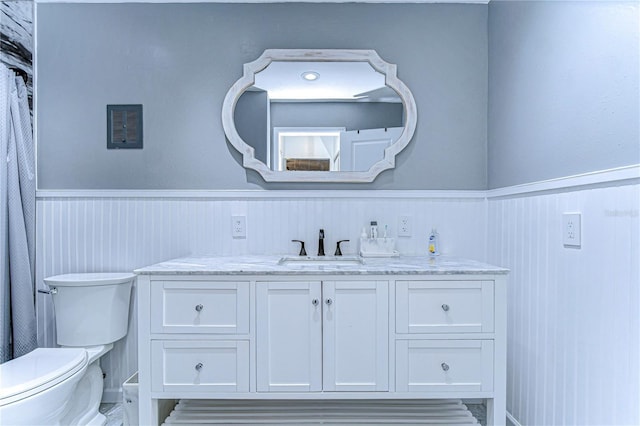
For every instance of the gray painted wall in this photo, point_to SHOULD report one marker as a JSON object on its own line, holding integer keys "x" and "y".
{"x": 563, "y": 89}
{"x": 179, "y": 60}
{"x": 251, "y": 118}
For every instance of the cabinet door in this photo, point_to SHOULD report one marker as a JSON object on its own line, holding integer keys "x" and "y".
{"x": 289, "y": 336}
{"x": 356, "y": 335}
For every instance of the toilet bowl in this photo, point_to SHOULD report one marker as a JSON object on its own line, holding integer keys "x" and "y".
{"x": 63, "y": 386}
{"x": 36, "y": 388}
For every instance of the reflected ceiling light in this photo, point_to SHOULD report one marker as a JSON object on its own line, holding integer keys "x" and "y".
{"x": 310, "y": 75}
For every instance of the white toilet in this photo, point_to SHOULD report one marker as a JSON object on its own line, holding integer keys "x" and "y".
{"x": 63, "y": 386}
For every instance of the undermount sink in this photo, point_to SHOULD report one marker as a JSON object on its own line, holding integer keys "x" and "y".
{"x": 320, "y": 260}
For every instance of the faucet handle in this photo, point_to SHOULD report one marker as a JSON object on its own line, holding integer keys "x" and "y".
{"x": 338, "y": 251}
{"x": 303, "y": 252}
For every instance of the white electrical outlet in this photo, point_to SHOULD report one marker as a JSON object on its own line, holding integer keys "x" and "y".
{"x": 571, "y": 232}
{"x": 404, "y": 226}
{"x": 239, "y": 226}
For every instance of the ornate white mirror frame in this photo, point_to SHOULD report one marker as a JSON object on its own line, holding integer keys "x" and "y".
{"x": 333, "y": 55}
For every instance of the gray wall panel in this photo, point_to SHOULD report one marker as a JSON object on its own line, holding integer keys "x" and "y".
{"x": 563, "y": 89}
{"x": 179, "y": 60}
{"x": 252, "y": 122}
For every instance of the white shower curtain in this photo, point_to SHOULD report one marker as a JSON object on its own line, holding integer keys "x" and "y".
{"x": 18, "y": 334}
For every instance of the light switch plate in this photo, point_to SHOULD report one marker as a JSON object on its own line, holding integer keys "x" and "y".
{"x": 571, "y": 230}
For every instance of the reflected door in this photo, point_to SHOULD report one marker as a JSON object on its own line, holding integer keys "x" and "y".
{"x": 361, "y": 149}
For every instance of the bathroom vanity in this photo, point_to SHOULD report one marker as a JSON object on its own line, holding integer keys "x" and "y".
{"x": 256, "y": 328}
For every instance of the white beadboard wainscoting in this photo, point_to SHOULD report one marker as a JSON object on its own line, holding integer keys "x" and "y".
{"x": 101, "y": 231}
{"x": 573, "y": 313}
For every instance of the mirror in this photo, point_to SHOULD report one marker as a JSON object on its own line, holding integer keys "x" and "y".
{"x": 319, "y": 115}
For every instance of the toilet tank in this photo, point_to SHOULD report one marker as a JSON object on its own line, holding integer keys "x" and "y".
{"x": 91, "y": 308}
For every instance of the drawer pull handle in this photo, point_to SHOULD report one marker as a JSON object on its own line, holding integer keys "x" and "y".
{"x": 329, "y": 302}
{"x": 315, "y": 302}
{"x": 199, "y": 308}
{"x": 445, "y": 366}
{"x": 199, "y": 366}
{"x": 445, "y": 307}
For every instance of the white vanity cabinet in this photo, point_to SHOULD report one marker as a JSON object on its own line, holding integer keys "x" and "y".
{"x": 380, "y": 333}
{"x": 322, "y": 336}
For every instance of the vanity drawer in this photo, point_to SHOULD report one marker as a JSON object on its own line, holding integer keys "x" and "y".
{"x": 190, "y": 366}
{"x": 444, "y": 365}
{"x": 200, "y": 307}
{"x": 444, "y": 307}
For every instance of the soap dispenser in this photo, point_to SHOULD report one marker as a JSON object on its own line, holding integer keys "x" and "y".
{"x": 433, "y": 243}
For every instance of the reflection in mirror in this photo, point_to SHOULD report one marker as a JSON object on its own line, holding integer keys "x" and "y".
{"x": 319, "y": 115}
{"x": 302, "y": 148}
{"x": 330, "y": 110}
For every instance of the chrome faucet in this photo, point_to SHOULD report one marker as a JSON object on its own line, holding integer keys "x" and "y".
{"x": 321, "y": 243}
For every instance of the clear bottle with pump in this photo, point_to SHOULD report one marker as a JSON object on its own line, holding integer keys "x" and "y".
{"x": 433, "y": 249}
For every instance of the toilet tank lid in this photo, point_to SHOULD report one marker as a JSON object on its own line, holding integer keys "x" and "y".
{"x": 38, "y": 370}
{"x": 89, "y": 279}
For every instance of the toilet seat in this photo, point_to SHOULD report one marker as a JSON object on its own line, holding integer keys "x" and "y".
{"x": 38, "y": 371}
{"x": 89, "y": 279}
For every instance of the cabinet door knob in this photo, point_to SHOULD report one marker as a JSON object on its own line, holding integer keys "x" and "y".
{"x": 445, "y": 366}
{"x": 329, "y": 301}
{"x": 445, "y": 307}
{"x": 315, "y": 302}
{"x": 199, "y": 308}
{"x": 199, "y": 366}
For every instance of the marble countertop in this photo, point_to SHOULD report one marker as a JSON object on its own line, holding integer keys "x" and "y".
{"x": 270, "y": 265}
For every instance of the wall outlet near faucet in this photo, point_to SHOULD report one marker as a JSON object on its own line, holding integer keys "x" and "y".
{"x": 571, "y": 232}
{"x": 404, "y": 226}
{"x": 239, "y": 226}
